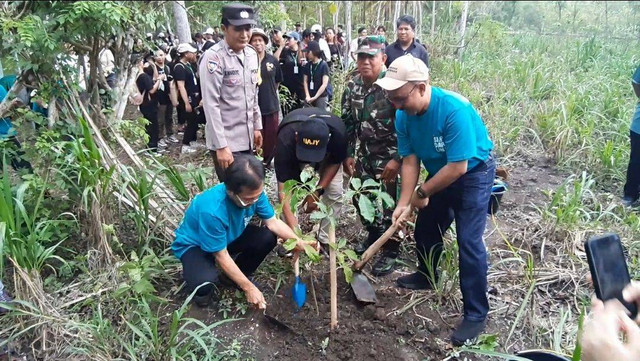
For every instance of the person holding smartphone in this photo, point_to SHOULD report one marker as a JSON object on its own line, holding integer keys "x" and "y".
{"x": 607, "y": 321}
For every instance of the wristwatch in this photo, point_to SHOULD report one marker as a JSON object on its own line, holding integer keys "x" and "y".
{"x": 421, "y": 194}
{"x": 320, "y": 191}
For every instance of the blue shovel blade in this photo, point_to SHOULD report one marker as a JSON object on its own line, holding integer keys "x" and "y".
{"x": 299, "y": 292}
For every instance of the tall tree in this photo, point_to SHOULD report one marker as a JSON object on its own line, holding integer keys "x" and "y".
{"x": 396, "y": 13}
{"x": 347, "y": 14}
{"x": 182, "y": 22}
{"x": 463, "y": 28}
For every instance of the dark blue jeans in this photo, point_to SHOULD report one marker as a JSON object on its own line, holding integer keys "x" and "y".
{"x": 632, "y": 186}
{"x": 465, "y": 200}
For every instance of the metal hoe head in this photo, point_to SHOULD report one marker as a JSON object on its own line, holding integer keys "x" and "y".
{"x": 362, "y": 288}
{"x": 299, "y": 292}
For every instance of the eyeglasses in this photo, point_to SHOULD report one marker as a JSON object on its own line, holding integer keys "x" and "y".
{"x": 400, "y": 100}
{"x": 248, "y": 203}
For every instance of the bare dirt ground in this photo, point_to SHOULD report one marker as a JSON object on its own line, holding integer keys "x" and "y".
{"x": 403, "y": 325}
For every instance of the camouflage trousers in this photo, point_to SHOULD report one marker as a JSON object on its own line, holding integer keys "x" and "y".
{"x": 372, "y": 169}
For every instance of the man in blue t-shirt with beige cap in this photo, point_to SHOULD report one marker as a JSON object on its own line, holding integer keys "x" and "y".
{"x": 441, "y": 129}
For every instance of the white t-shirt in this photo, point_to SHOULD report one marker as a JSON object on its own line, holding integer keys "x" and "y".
{"x": 324, "y": 46}
{"x": 107, "y": 61}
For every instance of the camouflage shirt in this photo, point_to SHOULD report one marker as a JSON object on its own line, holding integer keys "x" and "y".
{"x": 369, "y": 117}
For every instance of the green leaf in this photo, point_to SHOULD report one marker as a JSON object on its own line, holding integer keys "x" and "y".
{"x": 387, "y": 200}
{"x": 290, "y": 244}
{"x": 577, "y": 352}
{"x": 349, "y": 194}
{"x": 356, "y": 183}
{"x": 370, "y": 183}
{"x": 342, "y": 242}
{"x": 367, "y": 210}
{"x": 318, "y": 215}
{"x": 348, "y": 274}
{"x": 143, "y": 287}
{"x": 313, "y": 255}
{"x": 351, "y": 254}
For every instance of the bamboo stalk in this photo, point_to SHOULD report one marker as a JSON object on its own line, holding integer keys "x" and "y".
{"x": 333, "y": 277}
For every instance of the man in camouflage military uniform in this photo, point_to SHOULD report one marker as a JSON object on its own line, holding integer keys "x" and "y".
{"x": 369, "y": 118}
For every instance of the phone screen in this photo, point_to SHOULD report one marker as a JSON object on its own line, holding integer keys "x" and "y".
{"x": 608, "y": 268}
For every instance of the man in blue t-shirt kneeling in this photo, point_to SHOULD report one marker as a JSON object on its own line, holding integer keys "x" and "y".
{"x": 443, "y": 130}
{"x": 216, "y": 230}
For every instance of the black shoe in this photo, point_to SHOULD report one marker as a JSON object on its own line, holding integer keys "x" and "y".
{"x": 467, "y": 331}
{"x": 202, "y": 301}
{"x": 414, "y": 281}
{"x": 362, "y": 247}
{"x": 384, "y": 265}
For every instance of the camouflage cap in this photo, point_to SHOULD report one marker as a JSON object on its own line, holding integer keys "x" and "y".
{"x": 371, "y": 45}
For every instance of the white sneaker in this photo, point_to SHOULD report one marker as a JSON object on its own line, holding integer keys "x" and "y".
{"x": 197, "y": 145}
{"x": 172, "y": 139}
{"x": 187, "y": 150}
{"x": 162, "y": 143}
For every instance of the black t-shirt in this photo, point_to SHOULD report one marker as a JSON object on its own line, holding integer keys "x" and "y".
{"x": 145, "y": 85}
{"x": 286, "y": 163}
{"x": 394, "y": 51}
{"x": 163, "y": 94}
{"x": 314, "y": 73}
{"x": 335, "y": 54}
{"x": 271, "y": 74}
{"x": 184, "y": 72}
{"x": 288, "y": 61}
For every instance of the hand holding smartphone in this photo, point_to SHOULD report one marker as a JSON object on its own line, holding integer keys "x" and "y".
{"x": 609, "y": 270}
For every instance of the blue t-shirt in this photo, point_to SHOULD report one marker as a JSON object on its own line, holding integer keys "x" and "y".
{"x": 449, "y": 131}
{"x": 635, "y": 122}
{"x": 214, "y": 221}
{"x": 6, "y": 129}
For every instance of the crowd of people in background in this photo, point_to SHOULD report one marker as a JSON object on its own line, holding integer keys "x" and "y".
{"x": 268, "y": 92}
{"x": 295, "y": 71}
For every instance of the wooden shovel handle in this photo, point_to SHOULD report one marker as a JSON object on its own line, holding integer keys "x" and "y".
{"x": 375, "y": 247}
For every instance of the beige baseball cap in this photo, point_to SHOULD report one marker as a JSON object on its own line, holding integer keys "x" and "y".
{"x": 403, "y": 70}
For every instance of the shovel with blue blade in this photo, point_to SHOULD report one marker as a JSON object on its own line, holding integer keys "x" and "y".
{"x": 299, "y": 289}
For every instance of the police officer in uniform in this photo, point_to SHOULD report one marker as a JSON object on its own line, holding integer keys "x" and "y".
{"x": 369, "y": 117}
{"x": 229, "y": 73}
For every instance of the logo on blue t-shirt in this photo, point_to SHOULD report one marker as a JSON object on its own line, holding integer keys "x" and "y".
{"x": 438, "y": 143}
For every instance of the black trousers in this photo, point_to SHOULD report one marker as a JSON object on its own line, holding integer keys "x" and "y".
{"x": 632, "y": 187}
{"x": 191, "y": 131}
{"x": 248, "y": 251}
{"x": 168, "y": 120}
{"x": 152, "y": 127}
{"x": 180, "y": 111}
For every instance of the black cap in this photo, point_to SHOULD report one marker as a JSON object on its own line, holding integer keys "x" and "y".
{"x": 313, "y": 138}
{"x": 238, "y": 14}
{"x": 313, "y": 46}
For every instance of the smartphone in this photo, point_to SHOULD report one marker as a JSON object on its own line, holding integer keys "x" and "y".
{"x": 608, "y": 268}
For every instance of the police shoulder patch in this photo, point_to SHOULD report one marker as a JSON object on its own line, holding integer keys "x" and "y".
{"x": 212, "y": 63}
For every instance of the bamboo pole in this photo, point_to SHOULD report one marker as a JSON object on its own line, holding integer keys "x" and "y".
{"x": 333, "y": 277}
